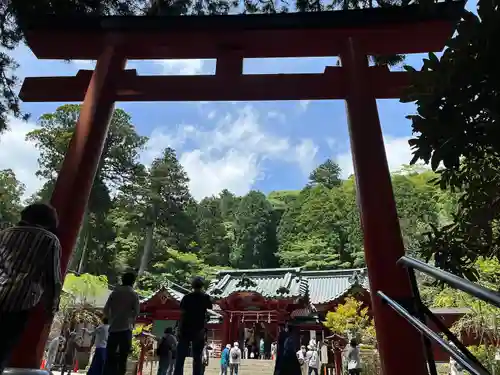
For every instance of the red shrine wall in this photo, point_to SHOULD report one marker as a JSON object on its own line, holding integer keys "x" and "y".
{"x": 216, "y": 331}
{"x": 467, "y": 339}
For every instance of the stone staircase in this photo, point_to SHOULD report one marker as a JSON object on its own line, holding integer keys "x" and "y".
{"x": 247, "y": 367}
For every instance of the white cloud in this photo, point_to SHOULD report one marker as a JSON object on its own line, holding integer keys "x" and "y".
{"x": 397, "y": 150}
{"x": 230, "y": 155}
{"x": 331, "y": 142}
{"x": 20, "y": 155}
{"x": 182, "y": 67}
{"x": 275, "y": 115}
{"x": 234, "y": 170}
{"x": 305, "y": 153}
{"x": 173, "y": 67}
{"x": 84, "y": 64}
{"x": 303, "y": 105}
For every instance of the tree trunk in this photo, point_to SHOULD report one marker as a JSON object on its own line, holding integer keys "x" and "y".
{"x": 81, "y": 244}
{"x": 86, "y": 237}
{"x": 148, "y": 246}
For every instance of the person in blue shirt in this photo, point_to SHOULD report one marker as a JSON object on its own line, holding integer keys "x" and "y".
{"x": 224, "y": 360}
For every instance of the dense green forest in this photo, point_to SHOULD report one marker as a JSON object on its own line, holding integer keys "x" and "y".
{"x": 455, "y": 127}
{"x": 145, "y": 217}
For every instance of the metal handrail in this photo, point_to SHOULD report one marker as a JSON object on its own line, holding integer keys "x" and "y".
{"x": 469, "y": 365}
{"x": 485, "y": 294}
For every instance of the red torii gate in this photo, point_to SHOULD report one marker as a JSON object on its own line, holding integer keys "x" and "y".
{"x": 352, "y": 35}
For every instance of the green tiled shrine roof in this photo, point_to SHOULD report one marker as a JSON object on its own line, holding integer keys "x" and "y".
{"x": 327, "y": 286}
{"x": 319, "y": 286}
{"x": 269, "y": 283}
{"x": 172, "y": 290}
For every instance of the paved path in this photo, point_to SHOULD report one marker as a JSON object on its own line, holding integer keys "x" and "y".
{"x": 248, "y": 367}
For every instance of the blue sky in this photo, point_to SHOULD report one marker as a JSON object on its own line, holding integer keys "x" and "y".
{"x": 239, "y": 146}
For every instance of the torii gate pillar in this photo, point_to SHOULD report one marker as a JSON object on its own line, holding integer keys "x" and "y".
{"x": 73, "y": 186}
{"x": 382, "y": 235}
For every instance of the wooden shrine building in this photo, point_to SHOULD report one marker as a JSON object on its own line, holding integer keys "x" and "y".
{"x": 252, "y": 304}
{"x": 255, "y": 303}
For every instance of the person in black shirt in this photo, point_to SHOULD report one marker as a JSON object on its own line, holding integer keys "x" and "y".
{"x": 194, "y": 308}
{"x": 283, "y": 335}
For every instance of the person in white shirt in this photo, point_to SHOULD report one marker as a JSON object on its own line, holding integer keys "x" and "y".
{"x": 301, "y": 356}
{"x": 312, "y": 343}
{"x": 121, "y": 309}
{"x": 100, "y": 336}
{"x": 312, "y": 360}
{"x": 245, "y": 352}
{"x": 235, "y": 359}
{"x": 274, "y": 350}
{"x": 353, "y": 358}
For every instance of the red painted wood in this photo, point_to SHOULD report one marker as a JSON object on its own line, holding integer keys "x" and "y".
{"x": 142, "y": 357}
{"x": 72, "y": 189}
{"x": 338, "y": 361}
{"x": 131, "y": 87}
{"x": 354, "y": 82}
{"x": 226, "y": 331}
{"x": 255, "y": 43}
{"x": 383, "y": 244}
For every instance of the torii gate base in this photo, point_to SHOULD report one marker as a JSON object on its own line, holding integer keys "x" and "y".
{"x": 351, "y": 34}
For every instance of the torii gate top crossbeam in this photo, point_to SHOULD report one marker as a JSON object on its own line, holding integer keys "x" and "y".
{"x": 381, "y": 31}
{"x": 229, "y": 39}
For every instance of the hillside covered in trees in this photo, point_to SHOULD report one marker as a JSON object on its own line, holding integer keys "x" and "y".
{"x": 145, "y": 217}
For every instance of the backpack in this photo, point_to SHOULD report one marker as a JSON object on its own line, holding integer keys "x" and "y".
{"x": 235, "y": 355}
{"x": 164, "y": 348}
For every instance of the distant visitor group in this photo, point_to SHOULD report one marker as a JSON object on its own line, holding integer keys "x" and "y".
{"x": 30, "y": 275}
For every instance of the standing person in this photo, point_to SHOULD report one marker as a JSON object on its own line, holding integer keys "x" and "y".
{"x": 204, "y": 359}
{"x": 224, "y": 360}
{"x": 166, "y": 352}
{"x": 194, "y": 308}
{"x": 69, "y": 354}
{"x": 313, "y": 343}
{"x": 30, "y": 272}
{"x": 121, "y": 309}
{"x": 235, "y": 359}
{"x": 301, "y": 356}
{"x": 262, "y": 351}
{"x": 245, "y": 352}
{"x": 274, "y": 349}
{"x": 52, "y": 351}
{"x": 353, "y": 358}
{"x": 313, "y": 360}
{"x": 289, "y": 364}
{"x": 100, "y": 337}
{"x": 283, "y": 335}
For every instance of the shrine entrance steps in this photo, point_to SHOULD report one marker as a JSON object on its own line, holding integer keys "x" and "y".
{"x": 247, "y": 367}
